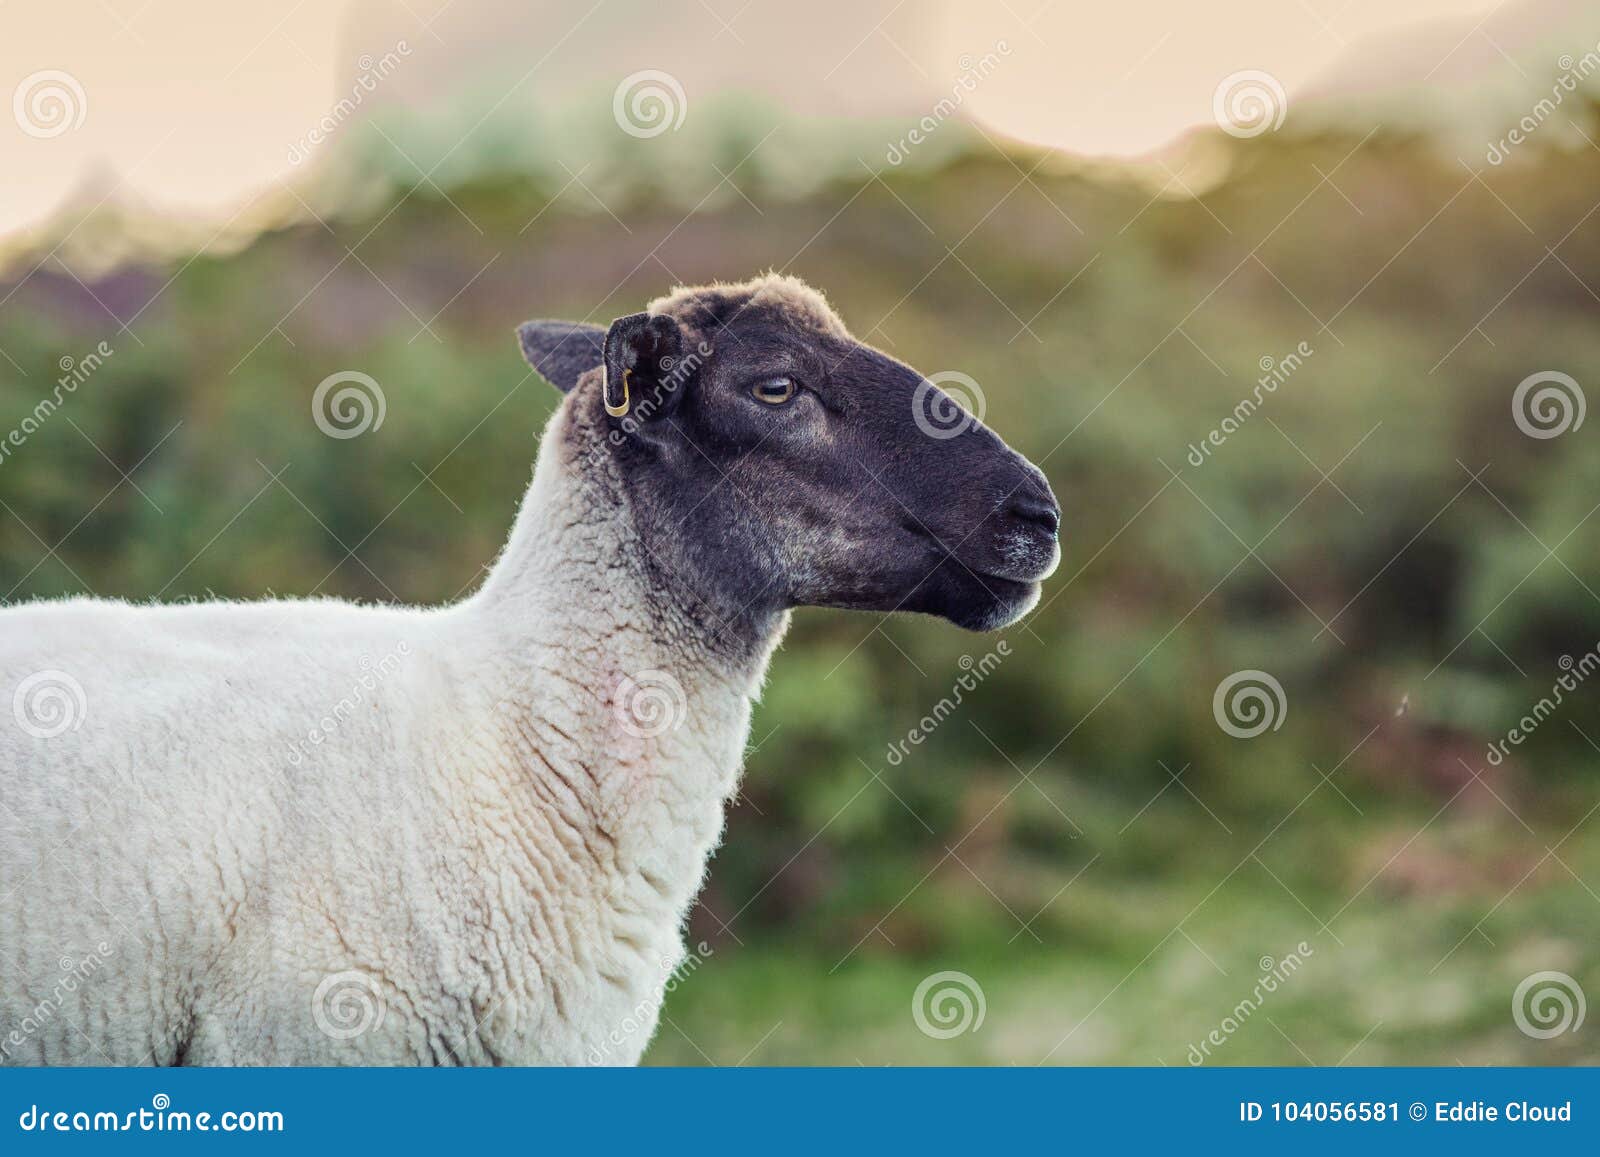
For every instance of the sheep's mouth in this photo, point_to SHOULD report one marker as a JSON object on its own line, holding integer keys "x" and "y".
{"x": 1022, "y": 572}
{"x": 1021, "y": 562}
{"x": 979, "y": 600}
{"x": 1017, "y": 557}
{"x": 1003, "y": 601}
{"x": 1006, "y": 588}
{"x": 992, "y": 587}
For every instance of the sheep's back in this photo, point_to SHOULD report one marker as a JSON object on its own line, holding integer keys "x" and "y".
{"x": 183, "y": 795}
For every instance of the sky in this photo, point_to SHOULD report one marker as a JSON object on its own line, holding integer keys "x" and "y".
{"x": 189, "y": 107}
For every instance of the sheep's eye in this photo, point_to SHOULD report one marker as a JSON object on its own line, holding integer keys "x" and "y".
{"x": 773, "y": 391}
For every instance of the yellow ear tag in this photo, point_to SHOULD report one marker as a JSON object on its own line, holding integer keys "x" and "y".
{"x": 622, "y": 410}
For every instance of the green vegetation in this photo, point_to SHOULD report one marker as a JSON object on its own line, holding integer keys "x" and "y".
{"x": 1414, "y": 602}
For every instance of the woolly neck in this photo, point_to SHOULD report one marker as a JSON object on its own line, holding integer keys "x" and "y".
{"x": 575, "y": 552}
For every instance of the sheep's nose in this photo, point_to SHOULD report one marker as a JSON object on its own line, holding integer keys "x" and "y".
{"x": 1038, "y": 509}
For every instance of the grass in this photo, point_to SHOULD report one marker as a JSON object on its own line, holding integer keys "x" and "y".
{"x": 1406, "y": 974}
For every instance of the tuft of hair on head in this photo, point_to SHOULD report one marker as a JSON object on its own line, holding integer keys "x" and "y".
{"x": 707, "y": 308}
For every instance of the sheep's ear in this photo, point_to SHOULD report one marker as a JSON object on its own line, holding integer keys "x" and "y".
{"x": 562, "y": 351}
{"x": 644, "y": 368}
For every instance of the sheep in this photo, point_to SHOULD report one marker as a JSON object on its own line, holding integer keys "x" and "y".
{"x": 309, "y": 832}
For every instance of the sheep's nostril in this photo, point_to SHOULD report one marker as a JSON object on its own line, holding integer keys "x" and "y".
{"x": 1041, "y": 511}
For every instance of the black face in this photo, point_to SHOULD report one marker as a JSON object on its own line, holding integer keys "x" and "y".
{"x": 777, "y": 462}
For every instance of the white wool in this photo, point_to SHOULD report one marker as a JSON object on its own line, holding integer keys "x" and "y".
{"x": 308, "y": 832}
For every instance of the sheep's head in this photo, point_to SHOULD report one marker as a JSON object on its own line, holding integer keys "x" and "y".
{"x": 773, "y": 461}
